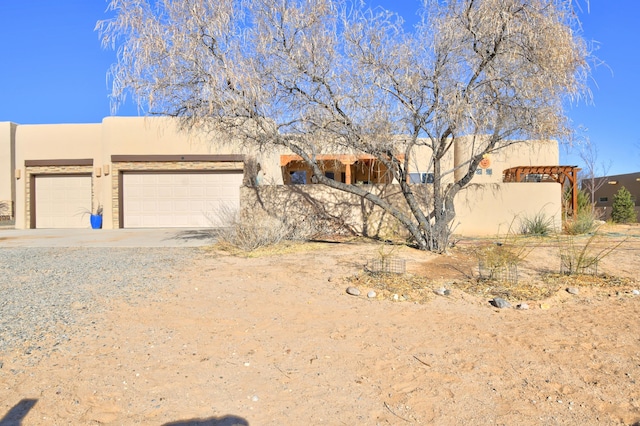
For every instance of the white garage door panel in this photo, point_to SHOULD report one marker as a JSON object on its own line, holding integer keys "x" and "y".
{"x": 61, "y": 201}
{"x": 153, "y": 200}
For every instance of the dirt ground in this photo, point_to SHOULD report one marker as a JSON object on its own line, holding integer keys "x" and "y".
{"x": 276, "y": 340}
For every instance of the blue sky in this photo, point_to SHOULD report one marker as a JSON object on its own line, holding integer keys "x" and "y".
{"x": 53, "y": 70}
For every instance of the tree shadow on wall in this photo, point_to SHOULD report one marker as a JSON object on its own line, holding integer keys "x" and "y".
{"x": 15, "y": 416}
{"x": 228, "y": 420}
{"x": 334, "y": 210}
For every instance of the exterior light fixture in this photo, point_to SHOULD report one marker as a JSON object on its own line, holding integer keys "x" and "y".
{"x": 613, "y": 182}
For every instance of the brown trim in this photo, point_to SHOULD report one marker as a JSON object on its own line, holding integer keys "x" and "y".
{"x": 57, "y": 163}
{"x": 174, "y": 158}
{"x": 32, "y": 202}
{"x": 120, "y": 200}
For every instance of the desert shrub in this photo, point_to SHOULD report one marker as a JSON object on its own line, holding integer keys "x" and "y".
{"x": 499, "y": 261}
{"x": 583, "y": 258}
{"x": 623, "y": 210}
{"x": 583, "y": 223}
{"x": 584, "y": 220}
{"x": 538, "y": 225}
{"x": 386, "y": 262}
{"x": 584, "y": 202}
{"x": 249, "y": 234}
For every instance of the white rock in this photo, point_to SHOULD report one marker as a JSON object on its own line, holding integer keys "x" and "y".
{"x": 353, "y": 291}
{"x": 441, "y": 291}
{"x": 499, "y": 302}
{"x": 371, "y": 294}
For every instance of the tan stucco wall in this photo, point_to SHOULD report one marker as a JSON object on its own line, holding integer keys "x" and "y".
{"x": 492, "y": 209}
{"x": 162, "y": 136}
{"x": 7, "y": 167}
{"x": 520, "y": 153}
{"x": 485, "y": 209}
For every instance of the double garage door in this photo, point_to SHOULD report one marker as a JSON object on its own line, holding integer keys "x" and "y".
{"x": 173, "y": 199}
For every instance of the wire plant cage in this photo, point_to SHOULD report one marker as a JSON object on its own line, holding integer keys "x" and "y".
{"x": 507, "y": 272}
{"x": 387, "y": 266}
{"x": 578, "y": 265}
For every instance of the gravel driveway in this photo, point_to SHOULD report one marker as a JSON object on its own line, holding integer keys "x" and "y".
{"x": 44, "y": 291}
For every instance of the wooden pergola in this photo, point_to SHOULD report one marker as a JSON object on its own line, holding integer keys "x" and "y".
{"x": 346, "y": 160}
{"x": 558, "y": 174}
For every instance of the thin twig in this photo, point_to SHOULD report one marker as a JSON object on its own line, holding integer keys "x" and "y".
{"x": 280, "y": 370}
{"x": 421, "y": 361}
{"x": 391, "y": 411}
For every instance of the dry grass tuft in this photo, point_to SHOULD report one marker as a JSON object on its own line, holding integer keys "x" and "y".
{"x": 591, "y": 281}
{"x": 549, "y": 285}
{"x": 418, "y": 289}
{"x": 507, "y": 290}
{"x": 408, "y": 287}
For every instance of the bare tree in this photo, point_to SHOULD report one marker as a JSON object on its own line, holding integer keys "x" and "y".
{"x": 329, "y": 76}
{"x": 594, "y": 170}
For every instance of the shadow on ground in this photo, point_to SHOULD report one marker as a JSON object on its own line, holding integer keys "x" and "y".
{"x": 212, "y": 421}
{"x": 15, "y": 416}
{"x": 196, "y": 234}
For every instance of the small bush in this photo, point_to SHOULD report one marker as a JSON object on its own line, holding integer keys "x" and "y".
{"x": 583, "y": 223}
{"x": 499, "y": 261}
{"x": 584, "y": 220}
{"x": 583, "y": 258}
{"x": 538, "y": 225}
{"x": 254, "y": 233}
{"x": 623, "y": 210}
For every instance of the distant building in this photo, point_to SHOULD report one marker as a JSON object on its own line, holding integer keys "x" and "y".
{"x": 607, "y": 186}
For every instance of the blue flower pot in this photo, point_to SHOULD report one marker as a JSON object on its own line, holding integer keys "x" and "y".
{"x": 96, "y": 221}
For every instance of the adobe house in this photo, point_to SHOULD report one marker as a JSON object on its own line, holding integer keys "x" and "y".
{"x": 607, "y": 188}
{"x": 146, "y": 172}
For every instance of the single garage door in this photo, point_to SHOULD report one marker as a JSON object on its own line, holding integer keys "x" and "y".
{"x": 154, "y": 200}
{"x": 62, "y": 201}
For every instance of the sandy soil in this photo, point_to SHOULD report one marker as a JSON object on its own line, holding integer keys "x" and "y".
{"x": 275, "y": 340}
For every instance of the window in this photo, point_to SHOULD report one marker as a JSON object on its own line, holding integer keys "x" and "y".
{"x": 415, "y": 177}
{"x": 479, "y": 171}
{"x": 489, "y": 172}
{"x": 420, "y": 177}
{"x": 603, "y": 199}
{"x": 298, "y": 177}
{"x": 330, "y": 175}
